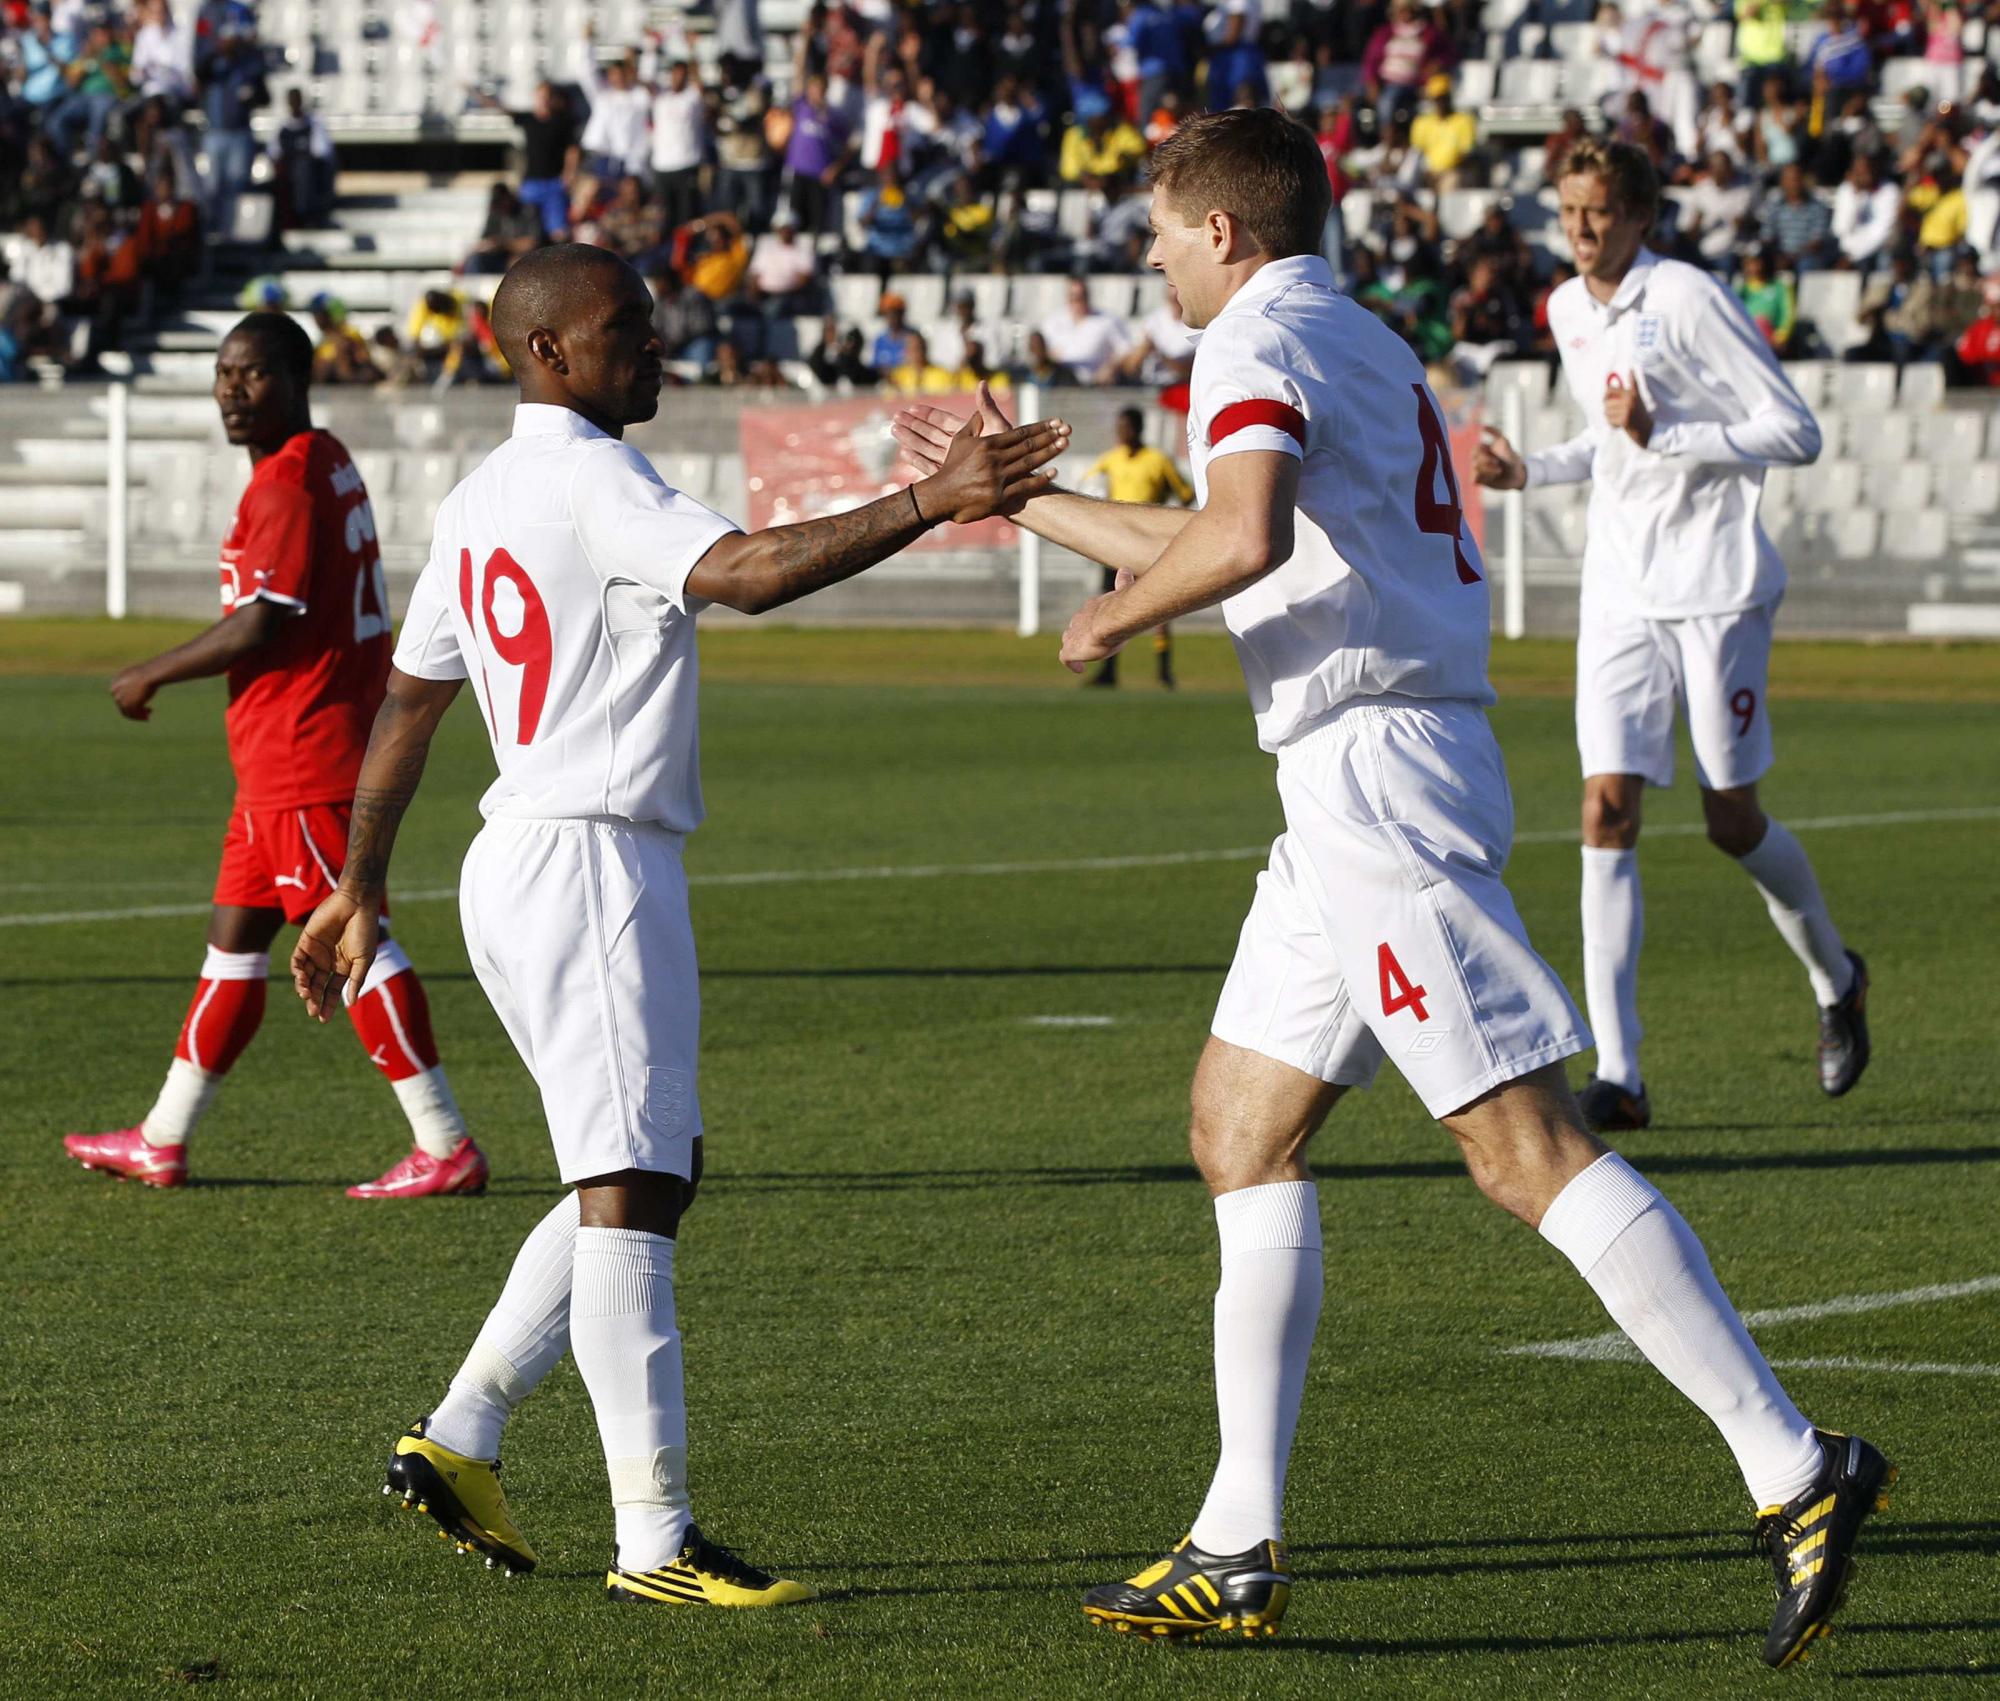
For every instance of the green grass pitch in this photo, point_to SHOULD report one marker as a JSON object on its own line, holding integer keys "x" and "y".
{"x": 946, "y": 1293}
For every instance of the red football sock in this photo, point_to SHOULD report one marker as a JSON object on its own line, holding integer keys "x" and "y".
{"x": 393, "y": 1020}
{"x": 223, "y": 1017}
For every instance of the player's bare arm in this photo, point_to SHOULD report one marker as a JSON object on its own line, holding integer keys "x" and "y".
{"x": 337, "y": 946}
{"x": 217, "y": 650}
{"x": 1497, "y": 464}
{"x": 978, "y": 475}
{"x": 1124, "y": 535}
{"x": 1243, "y": 532}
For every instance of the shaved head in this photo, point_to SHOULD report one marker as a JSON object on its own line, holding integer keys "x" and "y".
{"x": 545, "y": 289}
{"x": 576, "y": 325}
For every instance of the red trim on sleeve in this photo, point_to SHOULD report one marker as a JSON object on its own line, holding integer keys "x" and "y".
{"x": 1239, "y": 415}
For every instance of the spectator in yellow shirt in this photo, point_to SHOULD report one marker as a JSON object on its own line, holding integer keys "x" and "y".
{"x": 1099, "y": 152}
{"x": 917, "y": 376}
{"x": 1443, "y": 135}
{"x": 1134, "y": 472}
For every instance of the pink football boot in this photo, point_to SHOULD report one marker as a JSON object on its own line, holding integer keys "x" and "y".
{"x": 126, "y": 1154}
{"x": 421, "y": 1176}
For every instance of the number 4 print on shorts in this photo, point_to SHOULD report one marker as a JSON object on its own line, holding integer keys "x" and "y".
{"x": 1445, "y": 518}
{"x": 529, "y": 647}
{"x": 1397, "y": 992}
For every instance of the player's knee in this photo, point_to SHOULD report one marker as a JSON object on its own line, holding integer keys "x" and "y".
{"x": 1610, "y": 820}
{"x": 1734, "y": 829}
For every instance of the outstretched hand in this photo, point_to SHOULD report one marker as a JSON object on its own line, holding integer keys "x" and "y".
{"x": 1497, "y": 464}
{"x": 982, "y": 472}
{"x": 336, "y": 950}
{"x": 925, "y": 433}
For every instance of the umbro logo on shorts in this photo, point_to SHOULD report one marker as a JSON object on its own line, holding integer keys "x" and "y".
{"x": 1426, "y": 1042}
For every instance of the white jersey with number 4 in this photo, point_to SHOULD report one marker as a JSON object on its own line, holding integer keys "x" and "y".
{"x": 557, "y": 586}
{"x": 1384, "y": 594}
{"x": 1673, "y": 527}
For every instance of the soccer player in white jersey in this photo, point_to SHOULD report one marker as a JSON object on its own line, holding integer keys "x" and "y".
{"x": 563, "y": 582}
{"x": 1686, "y": 408}
{"x": 1329, "y": 531}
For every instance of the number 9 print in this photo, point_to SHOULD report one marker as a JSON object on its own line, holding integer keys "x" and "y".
{"x": 531, "y": 649}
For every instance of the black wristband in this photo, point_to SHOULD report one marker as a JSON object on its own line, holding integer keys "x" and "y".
{"x": 916, "y": 505}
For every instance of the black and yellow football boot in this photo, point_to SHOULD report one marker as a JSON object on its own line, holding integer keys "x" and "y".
{"x": 462, "y": 1494}
{"x": 1190, "y": 1593}
{"x": 704, "y": 1575}
{"x": 1810, "y": 1541}
{"x": 1609, "y": 1109}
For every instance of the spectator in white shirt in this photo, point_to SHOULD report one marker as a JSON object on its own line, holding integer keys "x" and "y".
{"x": 615, "y": 141}
{"x": 680, "y": 138}
{"x": 163, "y": 54}
{"x": 43, "y": 265}
{"x": 1715, "y": 208}
{"x": 784, "y": 272}
{"x": 1865, "y": 212}
{"x": 1163, "y": 352}
{"x": 1721, "y": 129}
{"x": 1086, "y": 341}
{"x": 962, "y": 331}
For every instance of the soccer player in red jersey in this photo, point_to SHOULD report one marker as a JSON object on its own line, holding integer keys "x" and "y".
{"x": 304, "y": 639}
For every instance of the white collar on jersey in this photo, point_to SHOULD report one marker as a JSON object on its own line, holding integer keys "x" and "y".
{"x": 544, "y": 419}
{"x": 1631, "y": 286}
{"x": 1275, "y": 275}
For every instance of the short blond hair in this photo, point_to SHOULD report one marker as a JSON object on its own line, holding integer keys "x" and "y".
{"x": 1252, "y": 162}
{"x": 1625, "y": 170}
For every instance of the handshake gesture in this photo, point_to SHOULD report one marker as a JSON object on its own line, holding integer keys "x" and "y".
{"x": 981, "y": 466}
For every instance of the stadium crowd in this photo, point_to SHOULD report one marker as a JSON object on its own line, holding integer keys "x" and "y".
{"x": 945, "y": 138}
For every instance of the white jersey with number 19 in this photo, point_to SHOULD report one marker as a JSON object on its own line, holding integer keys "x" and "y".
{"x": 1384, "y": 594}
{"x": 557, "y": 585}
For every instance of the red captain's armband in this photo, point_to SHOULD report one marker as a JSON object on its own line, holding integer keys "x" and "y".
{"x": 1240, "y": 415}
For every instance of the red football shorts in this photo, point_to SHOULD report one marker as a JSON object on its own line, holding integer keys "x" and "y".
{"x": 282, "y": 859}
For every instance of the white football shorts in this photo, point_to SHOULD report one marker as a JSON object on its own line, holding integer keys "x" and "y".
{"x": 1630, "y": 672}
{"x": 1382, "y": 925}
{"x": 579, "y": 932}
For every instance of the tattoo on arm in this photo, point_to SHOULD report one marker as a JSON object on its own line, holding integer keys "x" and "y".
{"x": 389, "y": 776}
{"x": 794, "y": 561}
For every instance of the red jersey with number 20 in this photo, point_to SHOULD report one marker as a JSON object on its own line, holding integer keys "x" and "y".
{"x": 300, "y": 708}
{"x": 1385, "y": 593}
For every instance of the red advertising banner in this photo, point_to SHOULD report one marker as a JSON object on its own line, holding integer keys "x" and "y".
{"x": 800, "y": 463}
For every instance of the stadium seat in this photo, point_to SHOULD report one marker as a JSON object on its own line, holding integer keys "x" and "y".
{"x": 1827, "y": 486}
{"x": 1973, "y": 490}
{"x": 1460, "y": 210}
{"x": 1781, "y": 496}
{"x": 1149, "y": 290}
{"x": 1077, "y": 211}
{"x": 988, "y": 291}
{"x": 1530, "y": 82}
{"x": 1922, "y": 387}
{"x": 1828, "y": 301}
{"x": 1949, "y": 439}
{"x": 1880, "y": 438}
{"x": 1530, "y": 377}
{"x": 1918, "y": 534}
{"x": 1357, "y": 213}
{"x": 1032, "y": 299}
{"x": 1901, "y": 75}
{"x": 1898, "y": 484}
{"x": 1112, "y": 293}
{"x": 1852, "y": 536}
{"x": 1576, "y": 42}
{"x": 923, "y": 292}
{"x": 1868, "y": 388}
{"x": 378, "y": 472}
{"x": 1813, "y": 379}
{"x": 1476, "y": 79}
{"x": 854, "y": 298}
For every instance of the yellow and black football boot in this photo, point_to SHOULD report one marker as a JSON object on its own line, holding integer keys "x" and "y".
{"x": 463, "y": 1495}
{"x": 1189, "y": 1594}
{"x": 704, "y": 1574}
{"x": 1810, "y": 1541}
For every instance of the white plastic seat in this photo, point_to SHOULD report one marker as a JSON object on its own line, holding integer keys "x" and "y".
{"x": 1476, "y": 79}
{"x": 1034, "y": 298}
{"x": 1953, "y": 439}
{"x": 1880, "y": 439}
{"x": 1530, "y": 82}
{"x": 1813, "y": 379}
{"x": 1827, "y": 486}
{"x": 1973, "y": 490}
{"x": 1460, "y": 210}
{"x": 1898, "y": 484}
{"x": 1830, "y": 300}
{"x": 854, "y": 297}
{"x": 1111, "y": 293}
{"x": 1915, "y": 535}
{"x": 1868, "y": 388}
{"x": 1922, "y": 388}
{"x": 1854, "y": 535}
{"x": 989, "y": 295}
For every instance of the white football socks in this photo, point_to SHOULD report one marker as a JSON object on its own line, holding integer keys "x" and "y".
{"x": 1785, "y": 876}
{"x": 1614, "y": 922}
{"x": 435, "y": 1121}
{"x": 1266, "y": 1310}
{"x": 622, "y": 1330}
{"x": 1650, "y": 1271}
{"x": 524, "y": 1335}
{"x": 184, "y": 1099}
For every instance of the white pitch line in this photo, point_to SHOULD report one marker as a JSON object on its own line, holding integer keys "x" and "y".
{"x": 1613, "y": 1346}
{"x": 1891, "y": 1365}
{"x": 1060, "y": 865}
{"x": 1070, "y": 1021}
